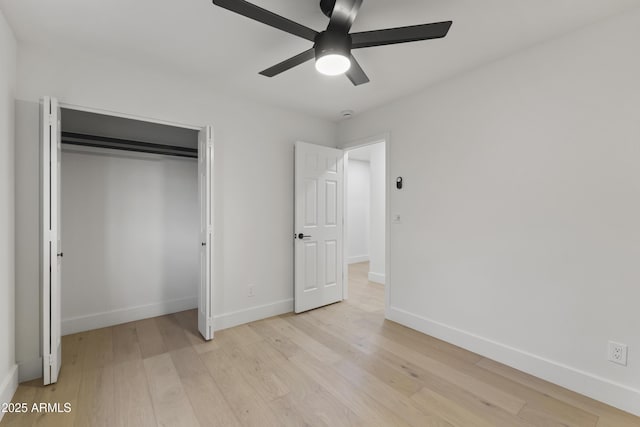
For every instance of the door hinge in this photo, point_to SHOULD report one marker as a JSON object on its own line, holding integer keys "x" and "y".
{"x": 50, "y": 359}
{"x": 210, "y": 324}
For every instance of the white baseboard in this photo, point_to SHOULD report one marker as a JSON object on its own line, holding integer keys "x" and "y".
{"x": 240, "y": 317}
{"x": 376, "y": 277}
{"x": 358, "y": 258}
{"x": 30, "y": 369}
{"x": 124, "y": 315}
{"x": 8, "y": 386}
{"x": 596, "y": 387}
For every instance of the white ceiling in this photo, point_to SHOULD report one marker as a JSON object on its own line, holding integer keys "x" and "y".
{"x": 215, "y": 45}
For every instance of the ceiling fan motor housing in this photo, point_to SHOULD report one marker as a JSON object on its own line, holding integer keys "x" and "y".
{"x": 332, "y": 43}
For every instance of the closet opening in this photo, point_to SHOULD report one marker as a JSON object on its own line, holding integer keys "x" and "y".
{"x": 130, "y": 220}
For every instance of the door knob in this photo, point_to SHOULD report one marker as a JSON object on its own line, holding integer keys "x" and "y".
{"x": 302, "y": 236}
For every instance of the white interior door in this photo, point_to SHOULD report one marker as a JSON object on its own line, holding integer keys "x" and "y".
{"x": 319, "y": 213}
{"x": 205, "y": 189}
{"x": 51, "y": 258}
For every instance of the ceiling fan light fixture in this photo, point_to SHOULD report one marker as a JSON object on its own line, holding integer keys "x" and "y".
{"x": 333, "y": 53}
{"x": 333, "y": 64}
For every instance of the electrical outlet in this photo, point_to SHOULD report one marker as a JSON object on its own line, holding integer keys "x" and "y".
{"x": 251, "y": 291}
{"x": 618, "y": 353}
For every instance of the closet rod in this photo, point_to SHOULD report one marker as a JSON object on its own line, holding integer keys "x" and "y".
{"x": 127, "y": 145}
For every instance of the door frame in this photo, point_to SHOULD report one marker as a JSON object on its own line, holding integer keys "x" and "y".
{"x": 69, "y": 106}
{"x": 352, "y": 145}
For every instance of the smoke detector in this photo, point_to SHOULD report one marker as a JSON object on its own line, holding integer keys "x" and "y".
{"x": 346, "y": 114}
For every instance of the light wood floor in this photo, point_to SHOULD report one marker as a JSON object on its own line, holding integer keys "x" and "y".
{"x": 339, "y": 365}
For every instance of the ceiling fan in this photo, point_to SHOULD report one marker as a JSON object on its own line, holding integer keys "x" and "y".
{"x": 332, "y": 47}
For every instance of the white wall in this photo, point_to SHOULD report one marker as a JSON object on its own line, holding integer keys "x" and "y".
{"x": 27, "y": 230}
{"x": 253, "y": 172}
{"x": 130, "y": 227}
{"x": 519, "y": 237}
{"x": 378, "y": 214}
{"x": 358, "y": 206}
{"x": 8, "y": 371}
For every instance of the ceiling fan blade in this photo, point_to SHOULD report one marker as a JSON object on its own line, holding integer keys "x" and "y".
{"x": 356, "y": 74}
{"x": 289, "y": 63}
{"x": 343, "y": 15}
{"x": 259, "y": 14}
{"x": 412, "y": 33}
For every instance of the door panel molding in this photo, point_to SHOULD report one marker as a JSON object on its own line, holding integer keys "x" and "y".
{"x": 318, "y": 228}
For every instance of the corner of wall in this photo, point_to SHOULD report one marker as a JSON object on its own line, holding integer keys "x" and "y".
{"x": 8, "y": 60}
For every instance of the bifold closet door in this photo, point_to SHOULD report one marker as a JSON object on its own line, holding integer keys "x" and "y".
{"x": 51, "y": 247}
{"x": 205, "y": 190}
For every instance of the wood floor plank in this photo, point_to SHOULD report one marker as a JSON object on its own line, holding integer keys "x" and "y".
{"x": 96, "y": 404}
{"x": 320, "y": 334}
{"x": 249, "y": 407}
{"x": 385, "y": 395}
{"x": 208, "y": 402}
{"x": 133, "y": 405}
{"x": 318, "y": 350}
{"x": 491, "y": 394}
{"x": 314, "y": 402}
{"x": 260, "y": 375}
{"x": 125, "y": 343}
{"x": 318, "y": 409}
{"x": 370, "y": 361}
{"x": 187, "y": 362}
{"x": 99, "y": 348}
{"x": 172, "y": 333}
{"x": 275, "y": 338}
{"x": 368, "y": 409}
{"x": 73, "y": 350}
{"x": 289, "y": 415}
{"x": 448, "y": 410}
{"x": 149, "y": 338}
{"x": 170, "y": 403}
{"x": 239, "y": 336}
{"x": 538, "y": 417}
